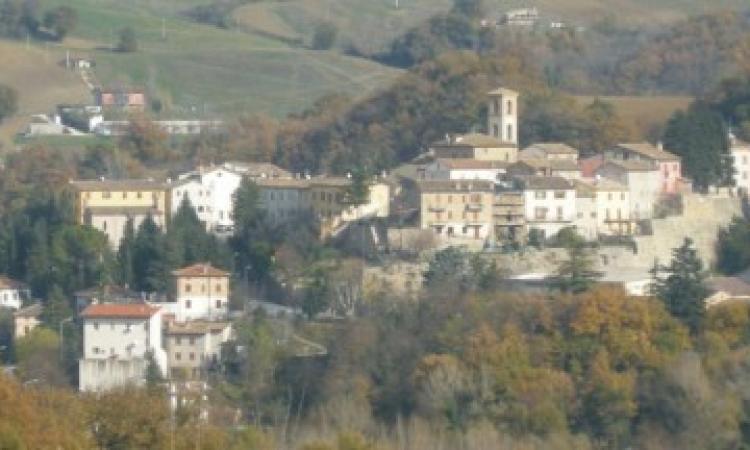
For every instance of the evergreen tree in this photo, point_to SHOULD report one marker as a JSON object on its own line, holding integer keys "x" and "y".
{"x": 682, "y": 285}
{"x": 150, "y": 259}
{"x": 125, "y": 274}
{"x": 317, "y": 294}
{"x": 252, "y": 240}
{"x": 56, "y": 308}
{"x": 700, "y": 138}
{"x": 153, "y": 375}
{"x": 576, "y": 274}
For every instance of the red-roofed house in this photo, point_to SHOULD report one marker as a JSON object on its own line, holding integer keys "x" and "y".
{"x": 117, "y": 339}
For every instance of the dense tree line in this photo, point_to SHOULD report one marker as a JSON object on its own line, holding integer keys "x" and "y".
{"x": 22, "y": 18}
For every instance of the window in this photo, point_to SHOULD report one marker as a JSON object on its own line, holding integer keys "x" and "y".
{"x": 106, "y": 194}
{"x": 559, "y": 194}
{"x": 218, "y": 287}
{"x": 609, "y": 196}
{"x": 104, "y": 225}
{"x": 540, "y": 213}
{"x": 509, "y": 107}
{"x": 622, "y": 196}
{"x": 124, "y": 195}
{"x": 112, "y": 326}
{"x": 496, "y": 131}
{"x": 188, "y": 287}
{"x": 450, "y": 198}
{"x": 218, "y": 304}
{"x": 96, "y": 350}
{"x": 593, "y": 215}
{"x": 496, "y": 106}
{"x": 177, "y": 356}
{"x": 450, "y": 215}
{"x": 192, "y": 356}
{"x": 145, "y": 326}
{"x": 191, "y": 340}
{"x": 178, "y": 340}
{"x": 540, "y": 195}
{"x": 139, "y": 195}
{"x": 96, "y": 325}
{"x": 188, "y": 303}
{"x": 509, "y": 133}
{"x": 559, "y": 213}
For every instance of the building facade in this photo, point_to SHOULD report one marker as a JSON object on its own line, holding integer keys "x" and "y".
{"x": 465, "y": 169}
{"x": 549, "y": 203}
{"x": 108, "y": 205}
{"x": 211, "y": 193}
{"x": 502, "y": 115}
{"x": 200, "y": 292}
{"x": 13, "y": 293}
{"x": 193, "y": 348}
{"x": 668, "y": 165}
{"x": 458, "y": 209}
{"x": 741, "y": 159}
{"x": 26, "y": 319}
{"x": 118, "y": 342}
{"x": 643, "y": 181}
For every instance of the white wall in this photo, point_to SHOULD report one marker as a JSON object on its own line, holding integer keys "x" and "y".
{"x": 741, "y": 158}
{"x": 119, "y": 340}
{"x": 211, "y": 194}
{"x": 553, "y": 222}
{"x": 12, "y": 298}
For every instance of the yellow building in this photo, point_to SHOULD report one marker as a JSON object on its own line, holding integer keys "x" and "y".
{"x": 458, "y": 208}
{"x": 107, "y": 205}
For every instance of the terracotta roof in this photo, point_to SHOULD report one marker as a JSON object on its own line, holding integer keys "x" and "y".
{"x": 554, "y": 148}
{"x": 539, "y": 183}
{"x": 589, "y": 166}
{"x": 118, "y": 185}
{"x": 649, "y": 151}
{"x": 129, "y": 311}
{"x": 9, "y": 283}
{"x": 472, "y": 164}
{"x": 200, "y": 270}
{"x": 631, "y": 166}
{"x": 33, "y": 310}
{"x": 456, "y": 186}
{"x": 733, "y": 286}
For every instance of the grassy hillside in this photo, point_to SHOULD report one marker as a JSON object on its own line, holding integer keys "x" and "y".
{"x": 41, "y": 83}
{"x": 372, "y": 24}
{"x": 215, "y": 70}
{"x": 646, "y": 113}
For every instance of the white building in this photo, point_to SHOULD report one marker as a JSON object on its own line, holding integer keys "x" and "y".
{"x": 12, "y": 293}
{"x": 602, "y": 209}
{"x": 211, "y": 190}
{"x": 741, "y": 159}
{"x": 586, "y": 218}
{"x": 643, "y": 181}
{"x": 201, "y": 292}
{"x": 465, "y": 169}
{"x": 549, "y": 203}
{"x": 117, "y": 342}
{"x": 195, "y": 347}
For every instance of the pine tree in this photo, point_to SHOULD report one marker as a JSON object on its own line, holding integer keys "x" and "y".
{"x": 150, "y": 262}
{"x": 576, "y": 274}
{"x": 682, "y": 285}
{"x": 252, "y": 240}
{"x": 700, "y": 138}
{"x": 56, "y": 308}
{"x": 125, "y": 251}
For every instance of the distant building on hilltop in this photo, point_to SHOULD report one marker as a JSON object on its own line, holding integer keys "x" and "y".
{"x": 523, "y": 17}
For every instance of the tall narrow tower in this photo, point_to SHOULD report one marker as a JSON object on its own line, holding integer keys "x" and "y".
{"x": 502, "y": 115}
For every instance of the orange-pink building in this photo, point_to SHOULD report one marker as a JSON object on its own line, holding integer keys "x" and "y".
{"x": 124, "y": 98}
